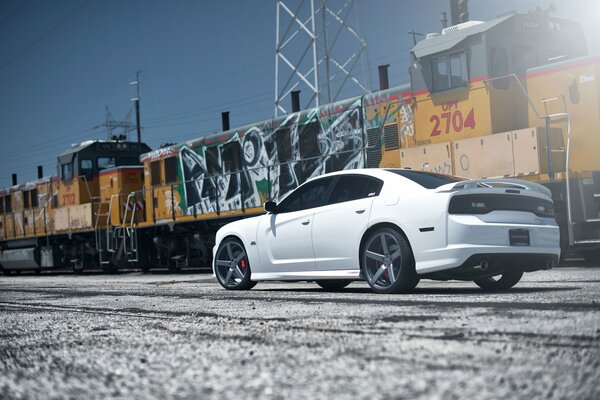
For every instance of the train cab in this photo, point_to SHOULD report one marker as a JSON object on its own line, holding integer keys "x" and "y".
{"x": 80, "y": 165}
{"x": 456, "y": 77}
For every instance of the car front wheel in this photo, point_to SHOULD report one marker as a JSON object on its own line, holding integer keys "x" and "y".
{"x": 232, "y": 267}
{"x": 387, "y": 262}
{"x": 505, "y": 281}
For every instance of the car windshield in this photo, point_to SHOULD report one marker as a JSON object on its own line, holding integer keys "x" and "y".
{"x": 429, "y": 180}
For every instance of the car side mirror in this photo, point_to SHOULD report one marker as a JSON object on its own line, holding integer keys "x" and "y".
{"x": 271, "y": 207}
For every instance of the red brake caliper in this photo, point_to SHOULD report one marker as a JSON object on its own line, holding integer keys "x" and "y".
{"x": 243, "y": 264}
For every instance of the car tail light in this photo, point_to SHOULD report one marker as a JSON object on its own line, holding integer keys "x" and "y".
{"x": 485, "y": 203}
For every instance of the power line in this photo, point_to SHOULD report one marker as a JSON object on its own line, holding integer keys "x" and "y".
{"x": 51, "y": 30}
{"x": 44, "y": 144}
{"x": 14, "y": 11}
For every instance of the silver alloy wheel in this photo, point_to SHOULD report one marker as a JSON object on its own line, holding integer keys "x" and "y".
{"x": 383, "y": 259}
{"x": 231, "y": 265}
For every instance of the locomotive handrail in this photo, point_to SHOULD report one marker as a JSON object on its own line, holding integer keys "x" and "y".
{"x": 87, "y": 186}
{"x": 523, "y": 90}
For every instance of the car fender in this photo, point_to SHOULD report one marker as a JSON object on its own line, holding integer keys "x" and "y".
{"x": 421, "y": 217}
{"x": 244, "y": 230}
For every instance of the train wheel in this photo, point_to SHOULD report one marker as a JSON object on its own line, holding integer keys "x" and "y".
{"x": 144, "y": 267}
{"x": 173, "y": 267}
{"x": 109, "y": 268}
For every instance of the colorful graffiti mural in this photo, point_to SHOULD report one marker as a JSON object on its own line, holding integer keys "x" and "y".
{"x": 243, "y": 168}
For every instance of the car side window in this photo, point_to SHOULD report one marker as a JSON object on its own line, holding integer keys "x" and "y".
{"x": 313, "y": 194}
{"x": 354, "y": 187}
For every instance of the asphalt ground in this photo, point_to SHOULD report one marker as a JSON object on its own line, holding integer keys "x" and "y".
{"x": 145, "y": 336}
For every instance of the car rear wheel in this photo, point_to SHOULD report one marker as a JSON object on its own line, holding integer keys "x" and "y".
{"x": 232, "y": 267}
{"x": 333, "y": 285}
{"x": 505, "y": 281}
{"x": 387, "y": 262}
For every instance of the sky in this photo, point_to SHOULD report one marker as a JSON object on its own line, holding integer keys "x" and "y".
{"x": 63, "y": 61}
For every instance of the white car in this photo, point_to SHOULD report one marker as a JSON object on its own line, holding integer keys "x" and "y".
{"x": 392, "y": 227}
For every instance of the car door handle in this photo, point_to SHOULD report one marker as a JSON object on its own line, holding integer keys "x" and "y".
{"x": 306, "y": 222}
{"x": 360, "y": 211}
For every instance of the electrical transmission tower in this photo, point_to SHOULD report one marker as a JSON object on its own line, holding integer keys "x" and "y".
{"x": 318, "y": 51}
{"x": 112, "y": 126}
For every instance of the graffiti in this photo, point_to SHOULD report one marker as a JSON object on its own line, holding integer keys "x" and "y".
{"x": 406, "y": 122}
{"x": 445, "y": 168}
{"x": 267, "y": 160}
{"x": 390, "y": 108}
{"x": 464, "y": 162}
{"x": 169, "y": 202}
{"x": 158, "y": 154}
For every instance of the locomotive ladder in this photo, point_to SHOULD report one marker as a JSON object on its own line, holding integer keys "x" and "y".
{"x": 105, "y": 236}
{"x": 129, "y": 232}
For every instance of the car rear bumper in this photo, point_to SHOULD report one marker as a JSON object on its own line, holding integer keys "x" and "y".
{"x": 490, "y": 264}
{"x": 470, "y": 239}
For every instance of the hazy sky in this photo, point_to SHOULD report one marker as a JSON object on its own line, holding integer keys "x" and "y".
{"x": 62, "y": 62}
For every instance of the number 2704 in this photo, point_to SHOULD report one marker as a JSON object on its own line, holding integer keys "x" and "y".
{"x": 453, "y": 119}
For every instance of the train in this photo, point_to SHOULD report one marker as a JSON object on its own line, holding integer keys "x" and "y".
{"x": 516, "y": 96}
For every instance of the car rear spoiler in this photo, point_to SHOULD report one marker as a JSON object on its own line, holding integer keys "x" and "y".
{"x": 503, "y": 183}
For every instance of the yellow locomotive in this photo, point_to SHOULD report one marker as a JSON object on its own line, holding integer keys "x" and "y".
{"x": 517, "y": 96}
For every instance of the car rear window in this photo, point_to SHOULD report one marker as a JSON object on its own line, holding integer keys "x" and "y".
{"x": 429, "y": 180}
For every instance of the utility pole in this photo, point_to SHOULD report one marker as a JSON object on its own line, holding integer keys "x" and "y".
{"x": 136, "y": 100}
{"x": 414, "y": 36}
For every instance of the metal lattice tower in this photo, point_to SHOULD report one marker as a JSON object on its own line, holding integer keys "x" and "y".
{"x": 317, "y": 51}
{"x": 111, "y": 125}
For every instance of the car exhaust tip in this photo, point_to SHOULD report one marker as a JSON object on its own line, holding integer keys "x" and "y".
{"x": 483, "y": 265}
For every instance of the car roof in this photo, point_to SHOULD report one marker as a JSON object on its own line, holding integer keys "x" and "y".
{"x": 381, "y": 172}
{"x": 422, "y": 179}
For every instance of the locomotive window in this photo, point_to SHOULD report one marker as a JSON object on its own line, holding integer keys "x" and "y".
{"x": 34, "y": 198}
{"x": 284, "y": 145}
{"x": 7, "y": 204}
{"x": 128, "y": 161}
{"x": 106, "y": 162}
{"x": 440, "y": 74}
{"x": 499, "y": 62}
{"x": 309, "y": 142}
{"x": 212, "y": 160}
{"x": 66, "y": 171}
{"x": 86, "y": 166}
{"x": 155, "y": 173}
{"x": 231, "y": 156}
{"x": 170, "y": 169}
{"x": 26, "y": 199}
{"x": 458, "y": 74}
{"x": 449, "y": 71}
